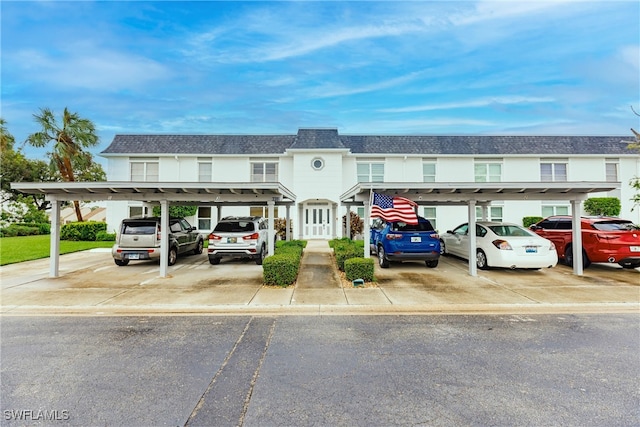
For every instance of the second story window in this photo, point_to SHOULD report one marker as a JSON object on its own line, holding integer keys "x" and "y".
{"x": 370, "y": 172}
{"x": 264, "y": 172}
{"x": 144, "y": 170}
{"x": 555, "y": 170}
{"x": 428, "y": 171}
{"x": 205, "y": 170}
{"x": 488, "y": 171}
{"x": 611, "y": 170}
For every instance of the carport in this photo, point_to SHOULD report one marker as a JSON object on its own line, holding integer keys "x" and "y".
{"x": 217, "y": 194}
{"x": 474, "y": 194}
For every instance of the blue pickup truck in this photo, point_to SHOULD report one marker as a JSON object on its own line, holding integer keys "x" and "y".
{"x": 398, "y": 241}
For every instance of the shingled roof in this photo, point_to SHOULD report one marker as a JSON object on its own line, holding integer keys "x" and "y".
{"x": 314, "y": 139}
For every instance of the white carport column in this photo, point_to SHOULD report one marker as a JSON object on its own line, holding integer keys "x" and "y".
{"x": 287, "y": 224}
{"x": 367, "y": 229}
{"x": 347, "y": 226}
{"x": 164, "y": 238}
{"x": 576, "y": 231}
{"x": 54, "y": 248}
{"x": 473, "y": 266}
{"x": 272, "y": 233}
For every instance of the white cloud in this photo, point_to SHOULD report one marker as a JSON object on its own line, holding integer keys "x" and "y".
{"x": 481, "y": 102}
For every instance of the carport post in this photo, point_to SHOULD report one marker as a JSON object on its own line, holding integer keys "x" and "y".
{"x": 54, "y": 246}
{"x": 471, "y": 232}
{"x": 287, "y": 223}
{"x": 272, "y": 234}
{"x": 576, "y": 231}
{"x": 367, "y": 228}
{"x": 347, "y": 223}
{"x": 164, "y": 237}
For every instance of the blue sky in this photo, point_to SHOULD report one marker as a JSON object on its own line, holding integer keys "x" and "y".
{"x": 393, "y": 67}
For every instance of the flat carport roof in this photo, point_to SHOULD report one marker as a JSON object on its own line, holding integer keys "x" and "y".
{"x": 202, "y": 193}
{"x": 475, "y": 194}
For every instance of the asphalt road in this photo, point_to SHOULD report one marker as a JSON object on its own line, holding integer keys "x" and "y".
{"x": 542, "y": 370}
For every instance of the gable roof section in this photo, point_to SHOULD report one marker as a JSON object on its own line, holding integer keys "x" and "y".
{"x": 313, "y": 139}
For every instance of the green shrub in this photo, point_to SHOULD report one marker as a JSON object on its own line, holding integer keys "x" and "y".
{"x": 282, "y": 268}
{"x": 345, "y": 249}
{"x": 15, "y": 230}
{"x": 103, "y": 236}
{"x": 85, "y": 231}
{"x": 177, "y": 211}
{"x": 603, "y": 206}
{"x": 359, "y": 268}
{"x": 530, "y": 220}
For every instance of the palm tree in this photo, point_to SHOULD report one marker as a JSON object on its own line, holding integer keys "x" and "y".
{"x": 69, "y": 140}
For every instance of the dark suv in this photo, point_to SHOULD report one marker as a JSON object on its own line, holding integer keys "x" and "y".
{"x": 139, "y": 239}
{"x": 604, "y": 239}
{"x": 239, "y": 237}
{"x": 398, "y": 241}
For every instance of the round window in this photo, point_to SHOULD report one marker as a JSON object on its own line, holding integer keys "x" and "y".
{"x": 317, "y": 163}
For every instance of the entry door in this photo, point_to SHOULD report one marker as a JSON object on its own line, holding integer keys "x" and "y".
{"x": 317, "y": 222}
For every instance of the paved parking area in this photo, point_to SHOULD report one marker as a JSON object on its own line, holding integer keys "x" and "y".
{"x": 91, "y": 283}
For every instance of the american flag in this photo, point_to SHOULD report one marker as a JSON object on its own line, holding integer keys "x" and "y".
{"x": 393, "y": 209}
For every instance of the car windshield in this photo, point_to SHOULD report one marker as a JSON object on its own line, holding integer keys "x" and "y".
{"x": 421, "y": 226}
{"x": 614, "y": 226}
{"x": 234, "y": 226}
{"x": 139, "y": 227}
{"x": 509, "y": 230}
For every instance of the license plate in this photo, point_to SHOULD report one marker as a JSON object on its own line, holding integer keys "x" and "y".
{"x": 531, "y": 249}
{"x": 416, "y": 239}
{"x": 133, "y": 256}
{"x": 634, "y": 248}
{"x": 231, "y": 239}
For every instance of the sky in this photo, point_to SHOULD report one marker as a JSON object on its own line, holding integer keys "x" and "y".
{"x": 260, "y": 67}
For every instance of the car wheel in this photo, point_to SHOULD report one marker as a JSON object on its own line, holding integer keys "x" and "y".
{"x": 173, "y": 256}
{"x": 443, "y": 248}
{"x": 432, "y": 264}
{"x": 121, "y": 262}
{"x": 199, "y": 247}
{"x": 382, "y": 258}
{"x": 260, "y": 257}
{"x": 481, "y": 260}
{"x": 214, "y": 261}
{"x": 568, "y": 257}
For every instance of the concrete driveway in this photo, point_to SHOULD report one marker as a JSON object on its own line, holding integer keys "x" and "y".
{"x": 91, "y": 283}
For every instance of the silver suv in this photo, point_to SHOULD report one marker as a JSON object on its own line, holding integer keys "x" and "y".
{"x": 139, "y": 239}
{"x": 239, "y": 237}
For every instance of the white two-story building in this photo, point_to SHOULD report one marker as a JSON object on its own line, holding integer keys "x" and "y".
{"x": 318, "y": 165}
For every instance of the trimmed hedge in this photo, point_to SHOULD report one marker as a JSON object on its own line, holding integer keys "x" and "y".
{"x": 359, "y": 268}
{"x": 103, "y": 236}
{"x": 15, "y": 230}
{"x": 281, "y": 269}
{"x": 85, "y": 231}
{"x": 345, "y": 249}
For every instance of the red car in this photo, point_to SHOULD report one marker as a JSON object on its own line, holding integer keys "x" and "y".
{"x": 604, "y": 239}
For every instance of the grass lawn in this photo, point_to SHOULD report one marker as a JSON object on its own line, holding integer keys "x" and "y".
{"x": 25, "y": 248}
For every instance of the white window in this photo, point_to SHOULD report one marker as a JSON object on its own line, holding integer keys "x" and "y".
{"x": 550, "y": 210}
{"x": 494, "y": 213}
{"x": 263, "y": 211}
{"x": 144, "y": 170}
{"x": 611, "y": 168}
{"x": 135, "y": 211}
{"x": 429, "y": 212}
{"x": 264, "y": 172}
{"x": 488, "y": 171}
{"x": 204, "y": 218}
{"x": 555, "y": 170}
{"x": 370, "y": 172}
{"x": 205, "y": 170}
{"x": 428, "y": 171}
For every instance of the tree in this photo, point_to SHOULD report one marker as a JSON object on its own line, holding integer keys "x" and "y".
{"x": 69, "y": 138}
{"x": 15, "y": 167}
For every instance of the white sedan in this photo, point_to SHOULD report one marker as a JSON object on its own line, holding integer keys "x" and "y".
{"x": 500, "y": 244}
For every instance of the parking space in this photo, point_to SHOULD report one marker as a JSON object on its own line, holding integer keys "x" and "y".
{"x": 90, "y": 283}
